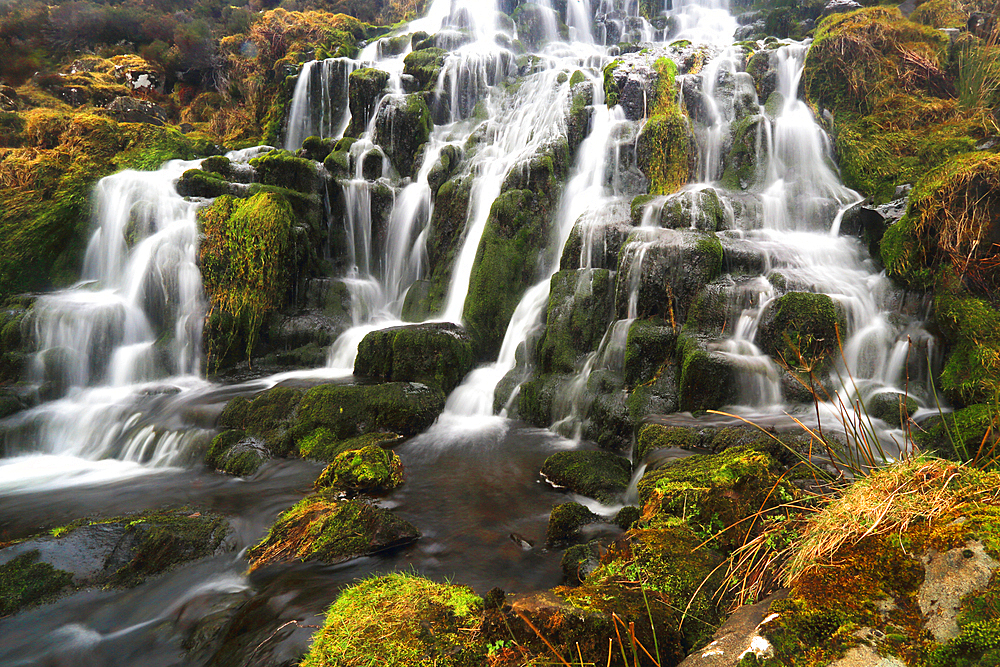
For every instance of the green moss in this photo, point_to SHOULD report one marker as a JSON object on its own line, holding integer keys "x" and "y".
{"x": 323, "y": 446}
{"x": 940, "y": 14}
{"x": 25, "y": 582}
{"x": 199, "y": 183}
{"x": 580, "y": 307}
{"x": 707, "y": 380}
{"x": 610, "y": 87}
{"x": 164, "y": 540}
{"x": 800, "y": 329}
{"x": 565, "y": 522}
{"x": 963, "y": 435}
{"x": 663, "y": 144}
{"x": 267, "y": 416}
{"x": 425, "y": 66}
{"x": 438, "y": 355}
{"x": 713, "y": 492}
{"x": 658, "y": 436}
{"x": 649, "y": 347}
{"x": 321, "y": 527}
{"x": 245, "y": 256}
{"x": 599, "y": 475}
{"x": 400, "y": 619}
{"x": 369, "y": 470}
{"x": 353, "y": 410}
{"x": 972, "y": 369}
{"x": 284, "y": 170}
{"x": 365, "y": 87}
{"x": 234, "y": 453}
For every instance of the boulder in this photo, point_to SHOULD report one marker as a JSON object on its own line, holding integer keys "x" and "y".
{"x": 132, "y": 110}
{"x": 402, "y": 126}
{"x": 235, "y": 453}
{"x": 365, "y": 87}
{"x": 321, "y": 527}
{"x": 580, "y": 307}
{"x": 436, "y": 354}
{"x": 566, "y": 521}
{"x": 801, "y": 327}
{"x": 371, "y": 470}
{"x": 600, "y": 475}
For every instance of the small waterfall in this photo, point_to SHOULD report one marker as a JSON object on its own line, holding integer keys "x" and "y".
{"x": 319, "y": 102}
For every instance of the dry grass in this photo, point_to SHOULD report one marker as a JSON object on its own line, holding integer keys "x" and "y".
{"x": 888, "y": 501}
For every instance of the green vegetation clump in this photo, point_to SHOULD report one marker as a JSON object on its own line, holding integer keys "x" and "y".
{"x": 325, "y": 528}
{"x": 897, "y": 103}
{"x": 25, "y": 582}
{"x": 245, "y": 255}
{"x": 371, "y": 470}
{"x": 662, "y": 146}
{"x": 972, "y": 369}
{"x": 284, "y": 170}
{"x": 400, "y": 619}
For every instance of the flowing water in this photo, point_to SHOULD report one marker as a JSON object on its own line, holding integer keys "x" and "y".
{"x": 126, "y": 415}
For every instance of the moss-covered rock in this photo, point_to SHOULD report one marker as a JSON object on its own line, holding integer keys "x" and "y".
{"x": 801, "y": 329}
{"x": 265, "y": 417}
{"x": 348, "y": 411}
{"x": 599, "y": 475}
{"x": 972, "y": 327}
{"x": 708, "y": 379}
{"x": 581, "y": 305}
{"x": 371, "y": 470}
{"x": 323, "y": 445}
{"x": 695, "y": 209}
{"x": 964, "y": 435}
{"x": 400, "y": 619}
{"x": 659, "y": 436}
{"x": 892, "y": 407}
{"x": 424, "y": 65}
{"x": 246, "y": 253}
{"x": 365, "y": 88}
{"x": 402, "y": 126}
{"x": 579, "y": 561}
{"x": 284, "y": 170}
{"x": 663, "y": 145}
{"x": 649, "y": 347}
{"x": 235, "y": 453}
{"x": 25, "y": 582}
{"x": 713, "y": 492}
{"x": 324, "y": 528}
{"x": 439, "y": 355}
{"x": 566, "y": 521}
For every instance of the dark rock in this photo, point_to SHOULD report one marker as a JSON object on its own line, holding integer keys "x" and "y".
{"x": 581, "y": 305}
{"x": 235, "y": 453}
{"x": 708, "y": 379}
{"x": 693, "y": 209}
{"x": 566, "y": 521}
{"x": 402, "y": 126}
{"x": 840, "y": 7}
{"x": 579, "y": 561}
{"x": 599, "y": 475}
{"x": 437, "y": 354}
{"x": 891, "y": 407}
{"x": 800, "y": 327}
{"x": 132, "y": 110}
{"x": 648, "y": 347}
{"x": 365, "y": 88}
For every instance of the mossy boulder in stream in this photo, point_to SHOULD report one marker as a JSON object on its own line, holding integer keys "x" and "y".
{"x": 116, "y": 552}
{"x": 324, "y": 528}
{"x": 282, "y": 169}
{"x": 235, "y": 453}
{"x": 402, "y": 126}
{"x": 708, "y": 379}
{"x": 371, "y": 470}
{"x": 401, "y": 619}
{"x": 566, "y": 521}
{"x": 437, "y": 354}
{"x": 801, "y": 330}
{"x": 265, "y": 417}
{"x": 649, "y": 347}
{"x": 600, "y": 475}
{"x": 424, "y": 65}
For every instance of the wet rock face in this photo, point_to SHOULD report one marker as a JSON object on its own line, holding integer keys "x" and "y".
{"x": 365, "y": 88}
{"x": 438, "y": 354}
{"x": 401, "y": 128}
{"x": 580, "y": 308}
{"x": 132, "y": 110}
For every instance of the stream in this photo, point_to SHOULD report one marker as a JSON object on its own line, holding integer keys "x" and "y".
{"x": 126, "y": 425}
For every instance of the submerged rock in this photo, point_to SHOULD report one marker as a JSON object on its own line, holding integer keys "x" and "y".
{"x": 324, "y": 528}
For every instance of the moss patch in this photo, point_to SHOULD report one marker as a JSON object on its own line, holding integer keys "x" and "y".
{"x": 370, "y": 470}
{"x": 599, "y": 475}
{"x": 25, "y": 582}
{"x": 401, "y": 619}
